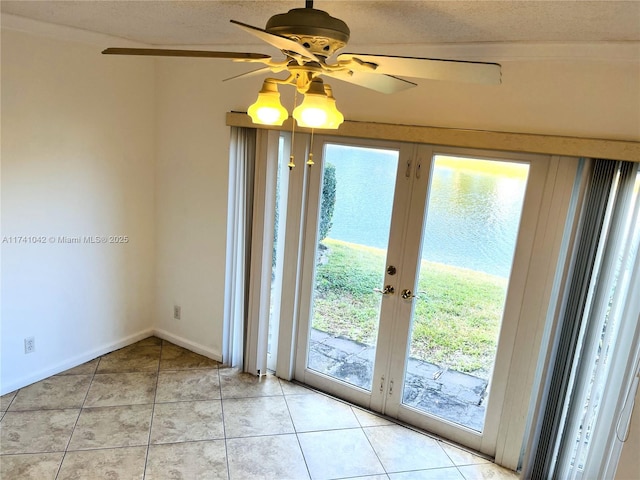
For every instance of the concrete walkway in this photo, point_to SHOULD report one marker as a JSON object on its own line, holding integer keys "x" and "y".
{"x": 451, "y": 395}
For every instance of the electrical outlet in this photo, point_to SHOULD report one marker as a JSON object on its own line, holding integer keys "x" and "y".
{"x": 177, "y": 311}
{"x": 29, "y": 345}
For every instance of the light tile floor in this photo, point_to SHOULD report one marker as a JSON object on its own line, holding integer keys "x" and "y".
{"x": 154, "y": 410}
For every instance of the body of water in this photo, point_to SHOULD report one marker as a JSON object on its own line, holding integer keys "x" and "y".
{"x": 472, "y": 220}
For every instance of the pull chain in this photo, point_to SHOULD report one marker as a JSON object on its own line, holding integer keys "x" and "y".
{"x": 293, "y": 133}
{"x": 310, "y": 161}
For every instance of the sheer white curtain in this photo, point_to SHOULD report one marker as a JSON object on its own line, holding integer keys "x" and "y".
{"x": 242, "y": 157}
{"x": 259, "y": 307}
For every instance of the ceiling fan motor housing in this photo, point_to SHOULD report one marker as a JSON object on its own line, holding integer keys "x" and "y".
{"x": 316, "y": 30}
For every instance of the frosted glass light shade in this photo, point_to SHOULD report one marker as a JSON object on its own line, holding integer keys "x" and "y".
{"x": 311, "y": 113}
{"x": 314, "y": 110}
{"x": 267, "y": 110}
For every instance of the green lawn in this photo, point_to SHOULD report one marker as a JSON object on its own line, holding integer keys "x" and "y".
{"x": 456, "y": 320}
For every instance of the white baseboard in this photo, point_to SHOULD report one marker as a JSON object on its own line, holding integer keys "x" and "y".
{"x": 188, "y": 344}
{"x": 74, "y": 361}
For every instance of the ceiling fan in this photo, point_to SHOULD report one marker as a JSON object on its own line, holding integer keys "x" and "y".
{"x": 309, "y": 39}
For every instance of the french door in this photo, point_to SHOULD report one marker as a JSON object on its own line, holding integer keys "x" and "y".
{"x": 413, "y": 275}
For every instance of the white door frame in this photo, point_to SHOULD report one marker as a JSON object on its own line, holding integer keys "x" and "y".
{"x": 535, "y": 261}
{"x": 403, "y": 183}
{"x": 485, "y": 442}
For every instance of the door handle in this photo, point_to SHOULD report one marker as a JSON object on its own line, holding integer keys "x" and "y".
{"x": 388, "y": 290}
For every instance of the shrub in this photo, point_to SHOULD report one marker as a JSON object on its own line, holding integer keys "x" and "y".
{"x": 328, "y": 201}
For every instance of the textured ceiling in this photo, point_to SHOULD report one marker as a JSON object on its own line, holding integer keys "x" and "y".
{"x": 371, "y": 22}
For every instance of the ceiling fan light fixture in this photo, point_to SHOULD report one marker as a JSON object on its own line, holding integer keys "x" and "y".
{"x": 267, "y": 109}
{"x": 317, "y": 110}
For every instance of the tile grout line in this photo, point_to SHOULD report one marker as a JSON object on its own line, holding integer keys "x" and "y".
{"x": 66, "y": 449}
{"x": 224, "y": 427}
{"x": 15, "y": 394}
{"x": 455, "y": 465}
{"x": 295, "y": 430}
{"x": 153, "y": 410}
{"x": 369, "y": 441}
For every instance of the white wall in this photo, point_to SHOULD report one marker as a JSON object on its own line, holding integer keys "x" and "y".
{"x": 191, "y": 207}
{"x": 77, "y": 159}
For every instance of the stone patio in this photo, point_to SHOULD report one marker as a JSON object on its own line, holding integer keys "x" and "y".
{"x": 453, "y": 396}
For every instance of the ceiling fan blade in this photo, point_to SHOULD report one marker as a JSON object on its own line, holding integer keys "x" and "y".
{"x": 430, "y": 68}
{"x": 252, "y": 73}
{"x": 373, "y": 81}
{"x": 278, "y": 41}
{"x": 159, "y": 52}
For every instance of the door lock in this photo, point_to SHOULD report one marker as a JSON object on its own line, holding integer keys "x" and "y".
{"x": 388, "y": 290}
{"x": 391, "y": 270}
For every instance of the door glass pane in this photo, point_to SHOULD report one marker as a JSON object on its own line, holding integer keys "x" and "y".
{"x": 355, "y": 217}
{"x": 472, "y": 220}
